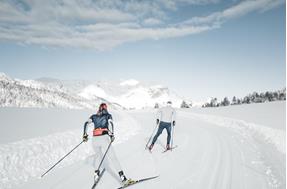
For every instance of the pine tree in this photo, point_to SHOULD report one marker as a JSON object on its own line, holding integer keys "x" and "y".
{"x": 156, "y": 106}
{"x": 213, "y": 102}
{"x": 234, "y": 101}
{"x": 282, "y": 94}
{"x": 184, "y": 105}
{"x": 225, "y": 102}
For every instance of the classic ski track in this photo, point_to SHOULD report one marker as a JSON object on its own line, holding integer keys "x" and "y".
{"x": 220, "y": 160}
{"x": 217, "y": 170}
{"x": 210, "y": 156}
{"x": 223, "y": 165}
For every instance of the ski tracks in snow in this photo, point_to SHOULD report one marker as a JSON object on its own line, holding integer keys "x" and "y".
{"x": 238, "y": 155}
{"x": 215, "y": 153}
{"x": 27, "y": 159}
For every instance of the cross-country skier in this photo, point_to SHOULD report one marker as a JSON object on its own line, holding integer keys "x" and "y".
{"x": 165, "y": 118}
{"x": 103, "y": 134}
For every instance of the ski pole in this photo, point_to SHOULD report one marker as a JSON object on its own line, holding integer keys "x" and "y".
{"x": 146, "y": 146}
{"x": 104, "y": 155}
{"x": 61, "y": 159}
{"x": 172, "y": 128}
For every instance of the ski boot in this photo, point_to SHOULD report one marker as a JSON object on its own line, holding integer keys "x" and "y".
{"x": 128, "y": 182}
{"x": 122, "y": 176}
{"x": 168, "y": 147}
{"x": 150, "y": 147}
{"x": 124, "y": 179}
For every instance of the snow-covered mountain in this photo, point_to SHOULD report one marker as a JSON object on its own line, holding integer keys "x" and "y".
{"x": 75, "y": 94}
{"x": 132, "y": 96}
{"x": 31, "y": 93}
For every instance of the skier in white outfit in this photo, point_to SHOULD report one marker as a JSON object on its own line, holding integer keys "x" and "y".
{"x": 165, "y": 118}
{"x": 103, "y": 134}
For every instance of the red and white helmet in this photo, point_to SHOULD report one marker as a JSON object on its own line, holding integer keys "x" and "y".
{"x": 103, "y": 106}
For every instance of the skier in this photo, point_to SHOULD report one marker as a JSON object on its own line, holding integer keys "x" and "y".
{"x": 103, "y": 134}
{"x": 165, "y": 117}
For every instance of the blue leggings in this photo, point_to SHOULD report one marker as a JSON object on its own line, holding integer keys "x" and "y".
{"x": 162, "y": 126}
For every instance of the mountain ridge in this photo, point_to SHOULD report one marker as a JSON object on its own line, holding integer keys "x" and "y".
{"x": 82, "y": 94}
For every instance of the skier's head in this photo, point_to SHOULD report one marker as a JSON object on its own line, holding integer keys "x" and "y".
{"x": 103, "y": 107}
{"x": 169, "y": 103}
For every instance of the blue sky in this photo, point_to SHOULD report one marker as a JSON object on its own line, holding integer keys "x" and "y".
{"x": 199, "y": 48}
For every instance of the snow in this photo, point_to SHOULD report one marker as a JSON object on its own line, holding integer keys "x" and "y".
{"x": 30, "y": 83}
{"x": 222, "y": 148}
{"x": 27, "y": 158}
{"x": 49, "y": 92}
{"x": 93, "y": 91}
{"x": 129, "y": 82}
{"x": 142, "y": 97}
{"x": 4, "y": 77}
{"x": 30, "y": 93}
{"x": 254, "y": 113}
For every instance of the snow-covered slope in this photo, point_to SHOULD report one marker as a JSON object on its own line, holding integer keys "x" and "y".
{"x": 49, "y": 92}
{"x": 140, "y": 97}
{"x": 130, "y": 82}
{"x": 215, "y": 151}
{"x": 30, "y": 93}
{"x": 130, "y": 94}
{"x": 251, "y": 113}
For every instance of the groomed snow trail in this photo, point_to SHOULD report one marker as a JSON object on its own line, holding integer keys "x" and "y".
{"x": 27, "y": 159}
{"x": 213, "y": 153}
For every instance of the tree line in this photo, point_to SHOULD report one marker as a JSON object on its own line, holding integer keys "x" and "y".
{"x": 255, "y": 97}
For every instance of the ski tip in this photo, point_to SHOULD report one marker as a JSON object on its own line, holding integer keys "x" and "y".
{"x": 170, "y": 149}
{"x": 138, "y": 181}
{"x": 153, "y": 177}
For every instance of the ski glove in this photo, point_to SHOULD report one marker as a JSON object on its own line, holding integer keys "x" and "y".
{"x": 173, "y": 123}
{"x": 85, "y": 137}
{"x": 112, "y": 137}
{"x": 157, "y": 121}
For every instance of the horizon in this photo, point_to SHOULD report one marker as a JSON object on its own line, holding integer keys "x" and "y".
{"x": 199, "y": 49}
{"x": 151, "y": 84}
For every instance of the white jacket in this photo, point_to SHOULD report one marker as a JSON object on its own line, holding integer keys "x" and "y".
{"x": 166, "y": 114}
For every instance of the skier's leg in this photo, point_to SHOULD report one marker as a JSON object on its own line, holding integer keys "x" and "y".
{"x": 97, "y": 157}
{"x": 97, "y": 150}
{"x": 118, "y": 172}
{"x": 168, "y": 130}
{"x": 111, "y": 163}
{"x": 97, "y": 144}
{"x": 159, "y": 131}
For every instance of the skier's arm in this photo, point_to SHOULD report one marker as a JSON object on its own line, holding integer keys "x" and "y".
{"x": 111, "y": 126}
{"x": 85, "y": 135}
{"x": 111, "y": 129}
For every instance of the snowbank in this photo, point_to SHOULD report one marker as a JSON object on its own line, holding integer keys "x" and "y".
{"x": 272, "y": 136}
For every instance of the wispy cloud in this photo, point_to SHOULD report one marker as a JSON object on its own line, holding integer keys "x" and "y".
{"x": 152, "y": 22}
{"x": 235, "y": 11}
{"x": 106, "y": 24}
